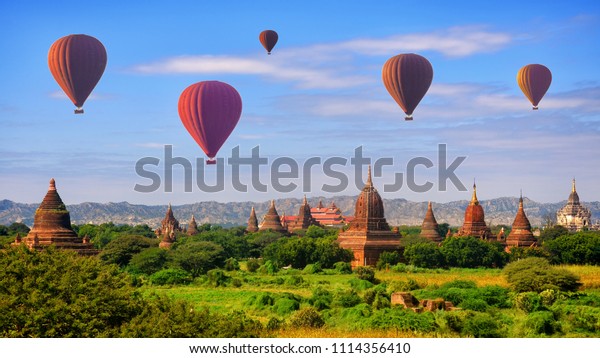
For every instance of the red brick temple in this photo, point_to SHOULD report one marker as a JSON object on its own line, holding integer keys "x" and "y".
{"x": 474, "y": 224}
{"x": 303, "y": 220}
{"x": 169, "y": 226}
{"x": 192, "y": 228}
{"x": 369, "y": 234}
{"x": 520, "y": 235}
{"x": 52, "y": 226}
{"x": 272, "y": 221}
{"x": 252, "y": 222}
{"x": 430, "y": 226}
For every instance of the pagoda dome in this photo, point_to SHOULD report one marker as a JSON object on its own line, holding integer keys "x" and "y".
{"x": 573, "y": 197}
{"x": 369, "y": 203}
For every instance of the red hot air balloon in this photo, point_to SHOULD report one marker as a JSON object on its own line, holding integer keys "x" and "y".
{"x": 268, "y": 39}
{"x": 77, "y": 62}
{"x": 407, "y": 78}
{"x": 210, "y": 110}
{"x": 534, "y": 81}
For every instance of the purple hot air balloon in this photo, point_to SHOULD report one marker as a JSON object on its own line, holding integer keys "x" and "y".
{"x": 534, "y": 81}
{"x": 210, "y": 110}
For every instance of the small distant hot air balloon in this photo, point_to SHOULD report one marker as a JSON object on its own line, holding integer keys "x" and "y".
{"x": 77, "y": 62}
{"x": 210, "y": 110}
{"x": 407, "y": 78}
{"x": 534, "y": 81}
{"x": 268, "y": 39}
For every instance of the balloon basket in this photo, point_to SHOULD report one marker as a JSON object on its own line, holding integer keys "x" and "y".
{"x": 211, "y": 161}
{"x": 535, "y": 108}
{"x": 408, "y": 118}
{"x": 79, "y": 111}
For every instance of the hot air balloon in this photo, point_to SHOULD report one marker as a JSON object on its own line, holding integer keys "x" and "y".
{"x": 77, "y": 62}
{"x": 534, "y": 81}
{"x": 407, "y": 78}
{"x": 268, "y": 39}
{"x": 210, "y": 110}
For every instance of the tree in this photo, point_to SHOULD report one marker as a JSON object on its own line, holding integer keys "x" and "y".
{"x": 551, "y": 233}
{"x": 387, "y": 259}
{"x": 424, "y": 254}
{"x": 122, "y": 249}
{"x": 197, "y": 258}
{"x": 472, "y": 252}
{"x": 148, "y": 261}
{"x": 536, "y": 274}
{"x": 579, "y": 248}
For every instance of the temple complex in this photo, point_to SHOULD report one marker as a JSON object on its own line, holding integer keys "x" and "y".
{"x": 304, "y": 218}
{"x": 573, "y": 216}
{"x": 52, "y": 226}
{"x": 252, "y": 222}
{"x": 429, "y": 228}
{"x": 329, "y": 216}
{"x": 192, "y": 228}
{"x": 369, "y": 234}
{"x": 169, "y": 226}
{"x": 520, "y": 235}
{"x": 474, "y": 224}
{"x": 272, "y": 221}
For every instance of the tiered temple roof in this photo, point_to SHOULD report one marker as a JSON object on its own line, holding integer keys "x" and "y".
{"x": 169, "y": 226}
{"x": 430, "y": 226}
{"x": 474, "y": 224}
{"x": 192, "y": 228}
{"x": 272, "y": 221}
{"x": 369, "y": 234}
{"x": 304, "y": 218}
{"x": 520, "y": 235}
{"x": 252, "y": 222}
{"x": 574, "y": 216}
{"x": 52, "y": 226}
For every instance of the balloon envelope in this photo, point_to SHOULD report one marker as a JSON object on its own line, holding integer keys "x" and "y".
{"x": 407, "y": 78}
{"x": 268, "y": 39}
{"x": 534, "y": 81}
{"x": 209, "y": 111}
{"x": 77, "y": 62}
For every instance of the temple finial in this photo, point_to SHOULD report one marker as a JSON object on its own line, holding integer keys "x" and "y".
{"x": 52, "y": 184}
{"x": 573, "y": 188}
{"x": 474, "y": 197}
{"x": 305, "y": 202}
{"x": 369, "y": 180}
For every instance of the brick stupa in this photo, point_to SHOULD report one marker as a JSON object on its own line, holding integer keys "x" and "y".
{"x": 52, "y": 226}
{"x": 192, "y": 228}
{"x": 369, "y": 234}
{"x": 252, "y": 222}
{"x": 169, "y": 226}
{"x": 272, "y": 221}
{"x": 304, "y": 218}
{"x": 474, "y": 224}
{"x": 520, "y": 235}
{"x": 429, "y": 228}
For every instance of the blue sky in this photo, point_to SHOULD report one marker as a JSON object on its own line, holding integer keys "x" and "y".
{"x": 319, "y": 94}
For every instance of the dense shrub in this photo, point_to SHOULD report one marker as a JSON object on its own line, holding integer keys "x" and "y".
{"x": 231, "y": 264}
{"x": 528, "y": 302}
{"x": 387, "y": 259}
{"x": 346, "y": 298}
{"x": 472, "y": 252}
{"x": 402, "y": 320}
{"x": 307, "y": 317}
{"x": 217, "y": 277}
{"x": 424, "y": 254}
{"x": 321, "y": 298}
{"x": 519, "y": 253}
{"x": 342, "y": 267}
{"x": 536, "y": 274}
{"x": 252, "y": 265}
{"x": 120, "y": 250}
{"x": 365, "y": 273}
{"x": 148, "y": 261}
{"x": 172, "y": 276}
{"x": 580, "y": 248}
{"x": 541, "y": 323}
{"x": 481, "y": 325}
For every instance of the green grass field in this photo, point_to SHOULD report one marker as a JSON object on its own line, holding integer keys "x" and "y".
{"x": 339, "y": 321}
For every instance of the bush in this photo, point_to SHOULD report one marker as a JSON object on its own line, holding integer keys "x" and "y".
{"x": 173, "y": 276}
{"x": 387, "y": 259}
{"x": 285, "y": 306}
{"x": 471, "y": 252}
{"x": 307, "y": 317}
{"x": 536, "y": 274}
{"x": 231, "y": 264}
{"x": 402, "y": 320}
{"x": 217, "y": 277}
{"x": 424, "y": 254}
{"x": 342, "y": 267}
{"x": 321, "y": 299}
{"x": 365, "y": 273}
{"x": 580, "y": 248}
{"x": 528, "y": 302}
{"x": 474, "y": 304}
{"x": 312, "y": 269}
{"x": 268, "y": 268}
{"x": 148, "y": 261}
{"x": 252, "y": 265}
{"x": 481, "y": 325}
{"x": 346, "y": 298}
{"x": 541, "y": 322}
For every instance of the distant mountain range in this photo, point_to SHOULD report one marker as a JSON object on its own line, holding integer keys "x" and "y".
{"x": 397, "y": 211}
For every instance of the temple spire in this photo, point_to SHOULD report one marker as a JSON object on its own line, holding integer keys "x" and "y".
{"x": 474, "y": 197}
{"x": 53, "y": 184}
{"x": 369, "y": 180}
{"x": 305, "y": 202}
{"x": 573, "y": 188}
